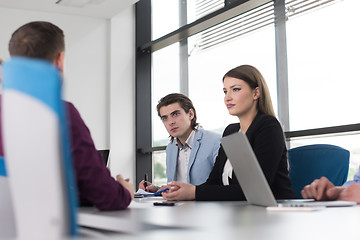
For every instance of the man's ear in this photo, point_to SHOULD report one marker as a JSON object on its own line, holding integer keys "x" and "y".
{"x": 191, "y": 113}
{"x": 59, "y": 61}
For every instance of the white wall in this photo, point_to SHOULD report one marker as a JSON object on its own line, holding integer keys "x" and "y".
{"x": 91, "y": 70}
{"x": 122, "y": 94}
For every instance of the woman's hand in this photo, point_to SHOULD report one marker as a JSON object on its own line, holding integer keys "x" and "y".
{"x": 179, "y": 192}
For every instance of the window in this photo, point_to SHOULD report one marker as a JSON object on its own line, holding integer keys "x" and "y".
{"x": 169, "y": 15}
{"x": 165, "y": 17}
{"x": 321, "y": 50}
{"x": 245, "y": 39}
{"x": 250, "y": 41}
{"x": 165, "y": 80}
{"x": 207, "y": 68}
{"x": 159, "y": 168}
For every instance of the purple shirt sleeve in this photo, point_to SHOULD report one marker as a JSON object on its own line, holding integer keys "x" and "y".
{"x": 95, "y": 184}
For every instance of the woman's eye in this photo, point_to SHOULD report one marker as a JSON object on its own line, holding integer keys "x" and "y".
{"x": 236, "y": 89}
{"x": 225, "y": 92}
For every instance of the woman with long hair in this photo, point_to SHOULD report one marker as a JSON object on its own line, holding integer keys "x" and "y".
{"x": 246, "y": 96}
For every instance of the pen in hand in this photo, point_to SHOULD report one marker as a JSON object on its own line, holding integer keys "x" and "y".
{"x": 158, "y": 192}
{"x": 145, "y": 181}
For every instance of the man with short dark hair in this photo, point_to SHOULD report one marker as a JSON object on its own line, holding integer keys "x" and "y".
{"x": 192, "y": 151}
{"x": 96, "y": 187}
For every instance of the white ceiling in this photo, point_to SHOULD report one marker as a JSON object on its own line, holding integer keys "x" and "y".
{"x": 95, "y": 8}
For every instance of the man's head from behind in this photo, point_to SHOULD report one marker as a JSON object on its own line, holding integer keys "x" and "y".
{"x": 42, "y": 40}
{"x": 170, "y": 107}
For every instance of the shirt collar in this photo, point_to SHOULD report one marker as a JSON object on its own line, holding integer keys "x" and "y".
{"x": 188, "y": 143}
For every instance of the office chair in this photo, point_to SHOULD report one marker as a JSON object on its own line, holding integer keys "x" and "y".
{"x": 7, "y": 221}
{"x": 311, "y": 162}
{"x": 37, "y": 151}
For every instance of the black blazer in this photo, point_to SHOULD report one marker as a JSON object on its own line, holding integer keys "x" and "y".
{"x": 267, "y": 140}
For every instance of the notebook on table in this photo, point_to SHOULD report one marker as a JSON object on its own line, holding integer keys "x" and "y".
{"x": 252, "y": 179}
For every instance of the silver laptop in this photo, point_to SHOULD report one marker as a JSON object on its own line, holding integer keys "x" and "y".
{"x": 252, "y": 180}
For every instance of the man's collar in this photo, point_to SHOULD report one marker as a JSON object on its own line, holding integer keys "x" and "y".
{"x": 189, "y": 141}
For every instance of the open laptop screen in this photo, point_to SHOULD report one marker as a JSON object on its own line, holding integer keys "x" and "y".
{"x": 247, "y": 170}
{"x": 105, "y": 155}
{"x": 252, "y": 179}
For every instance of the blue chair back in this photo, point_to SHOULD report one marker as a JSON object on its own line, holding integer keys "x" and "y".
{"x": 311, "y": 162}
{"x": 37, "y": 150}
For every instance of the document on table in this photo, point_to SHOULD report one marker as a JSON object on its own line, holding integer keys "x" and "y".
{"x": 144, "y": 199}
{"x": 143, "y": 193}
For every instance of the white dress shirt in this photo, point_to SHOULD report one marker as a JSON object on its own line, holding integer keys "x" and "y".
{"x": 183, "y": 158}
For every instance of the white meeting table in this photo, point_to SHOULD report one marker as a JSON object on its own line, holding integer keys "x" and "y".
{"x": 222, "y": 220}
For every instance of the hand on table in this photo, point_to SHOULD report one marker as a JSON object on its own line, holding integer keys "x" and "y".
{"x": 179, "y": 191}
{"x": 322, "y": 190}
{"x": 126, "y": 184}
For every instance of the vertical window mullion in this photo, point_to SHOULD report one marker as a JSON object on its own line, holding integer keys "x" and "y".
{"x": 281, "y": 64}
{"x": 143, "y": 91}
{"x": 183, "y": 53}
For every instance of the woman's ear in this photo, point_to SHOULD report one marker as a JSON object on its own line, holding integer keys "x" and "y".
{"x": 257, "y": 93}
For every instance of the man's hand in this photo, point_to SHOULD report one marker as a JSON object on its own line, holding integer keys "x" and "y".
{"x": 149, "y": 186}
{"x": 318, "y": 190}
{"x": 126, "y": 184}
{"x": 350, "y": 193}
